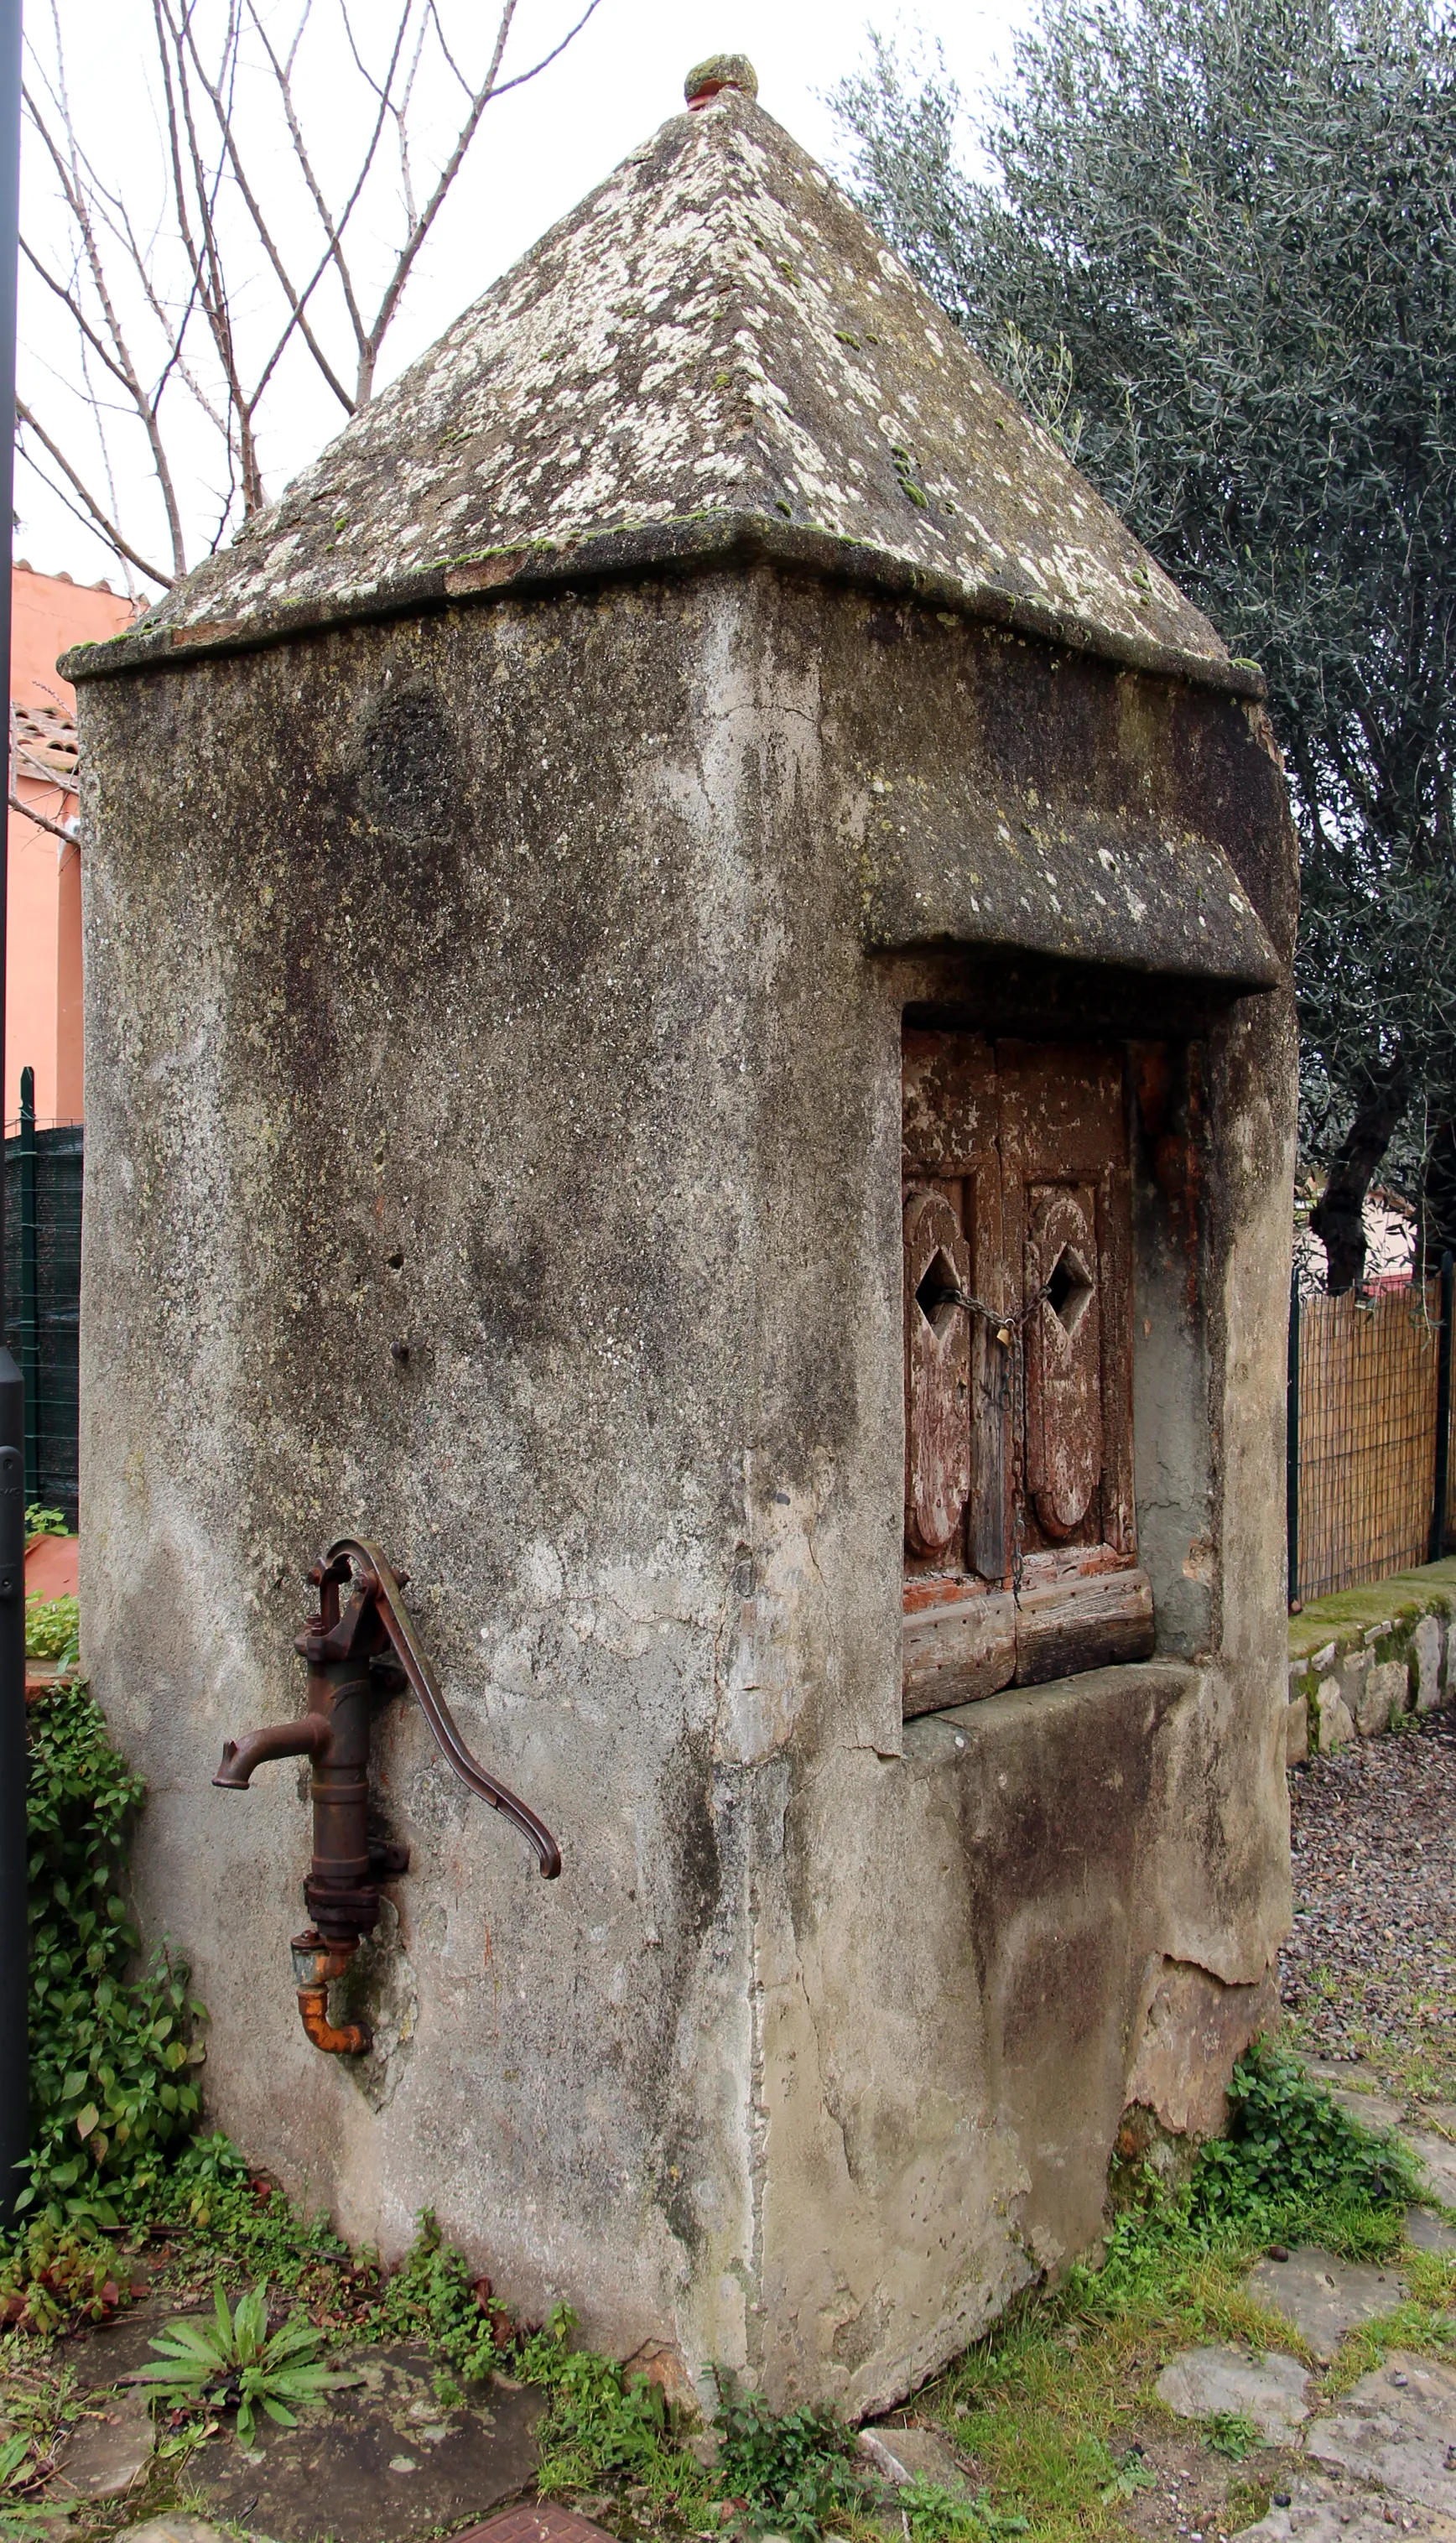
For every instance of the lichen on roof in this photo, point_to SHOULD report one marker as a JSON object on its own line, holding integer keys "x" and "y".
{"x": 714, "y": 351}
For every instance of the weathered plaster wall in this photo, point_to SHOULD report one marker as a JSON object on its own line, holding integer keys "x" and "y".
{"x": 524, "y": 984}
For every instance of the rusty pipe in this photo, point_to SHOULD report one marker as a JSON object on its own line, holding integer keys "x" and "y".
{"x": 314, "y": 1965}
{"x": 307, "y": 1735}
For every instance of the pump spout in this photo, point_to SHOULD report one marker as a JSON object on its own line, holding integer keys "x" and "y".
{"x": 308, "y": 1735}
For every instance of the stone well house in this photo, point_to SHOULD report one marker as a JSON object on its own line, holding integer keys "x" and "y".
{"x": 689, "y": 1026}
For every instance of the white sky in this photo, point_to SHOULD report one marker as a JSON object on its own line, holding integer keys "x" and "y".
{"x": 537, "y": 154}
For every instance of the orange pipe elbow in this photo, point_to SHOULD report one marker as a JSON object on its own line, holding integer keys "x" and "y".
{"x": 344, "y": 2039}
{"x": 315, "y": 1963}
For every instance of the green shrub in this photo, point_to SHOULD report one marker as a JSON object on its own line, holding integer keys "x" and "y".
{"x": 112, "y": 2085}
{"x": 52, "y": 1629}
{"x": 1294, "y": 2166}
{"x": 54, "y": 2277}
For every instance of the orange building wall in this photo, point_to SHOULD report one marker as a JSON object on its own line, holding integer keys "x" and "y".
{"x": 42, "y": 966}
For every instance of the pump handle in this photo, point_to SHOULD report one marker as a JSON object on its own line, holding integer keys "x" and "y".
{"x": 378, "y": 1578}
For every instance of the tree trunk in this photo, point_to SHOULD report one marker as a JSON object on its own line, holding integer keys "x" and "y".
{"x": 1338, "y": 1218}
{"x": 1437, "y": 1222}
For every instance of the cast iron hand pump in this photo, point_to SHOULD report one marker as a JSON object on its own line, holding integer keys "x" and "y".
{"x": 356, "y": 1652}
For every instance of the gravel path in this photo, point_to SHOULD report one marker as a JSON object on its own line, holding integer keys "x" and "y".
{"x": 1369, "y": 1969}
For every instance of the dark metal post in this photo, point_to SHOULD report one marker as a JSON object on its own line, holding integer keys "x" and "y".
{"x": 1438, "y": 1544}
{"x": 29, "y": 1285}
{"x": 15, "y": 2086}
{"x": 1291, "y": 1442}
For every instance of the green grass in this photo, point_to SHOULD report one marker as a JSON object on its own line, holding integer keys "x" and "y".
{"x": 1054, "y": 2408}
{"x": 1403, "y": 1598}
{"x": 1055, "y": 2402}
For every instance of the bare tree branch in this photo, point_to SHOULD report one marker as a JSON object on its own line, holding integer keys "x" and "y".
{"x": 68, "y": 170}
{"x": 421, "y": 229}
{"x": 202, "y": 302}
{"x": 106, "y": 528}
{"x": 41, "y": 820}
{"x": 294, "y": 299}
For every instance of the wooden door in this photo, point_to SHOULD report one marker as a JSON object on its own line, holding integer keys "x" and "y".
{"x": 1021, "y": 1554}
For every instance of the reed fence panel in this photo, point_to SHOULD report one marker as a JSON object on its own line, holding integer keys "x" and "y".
{"x": 1367, "y": 1383}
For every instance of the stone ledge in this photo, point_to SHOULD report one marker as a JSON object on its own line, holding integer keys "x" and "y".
{"x": 1368, "y": 1659}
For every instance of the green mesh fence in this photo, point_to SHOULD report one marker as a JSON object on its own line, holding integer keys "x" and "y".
{"x": 42, "y": 1301}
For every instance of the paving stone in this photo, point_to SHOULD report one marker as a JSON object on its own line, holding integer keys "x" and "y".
{"x": 174, "y": 2529}
{"x": 1429, "y": 2232}
{"x": 106, "y": 2350}
{"x": 1320, "y": 2513}
{"x": 902, "y": 2455}
{"x": 1267, "y": 2390}
{"x": 103, "y": 2456}
{"x": 1425, "y": 1652}
{"x": 1396, "y": 2430}
{"x": 1436, "y": 2157}
{"x": 381, "y": 2462}
{"x": 1323, "y": 2296}
{"x": 1371, "y": 2109}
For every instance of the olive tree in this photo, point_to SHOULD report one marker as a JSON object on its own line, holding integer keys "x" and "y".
{"x": 1213, "y": 242}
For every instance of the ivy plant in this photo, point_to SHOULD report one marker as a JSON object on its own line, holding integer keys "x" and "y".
{"x": 112, "y": 2062}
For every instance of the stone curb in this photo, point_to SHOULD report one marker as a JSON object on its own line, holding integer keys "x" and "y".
{"x": 1367, "y": 1678}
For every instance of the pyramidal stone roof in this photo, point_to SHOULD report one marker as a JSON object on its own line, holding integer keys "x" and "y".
{"x": 713, "y": 354}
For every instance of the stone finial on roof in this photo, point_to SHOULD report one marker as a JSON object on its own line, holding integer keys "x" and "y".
{"x": 719, "y": 71}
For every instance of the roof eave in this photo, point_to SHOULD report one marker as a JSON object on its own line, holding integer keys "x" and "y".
{"x": 689, "y": 544}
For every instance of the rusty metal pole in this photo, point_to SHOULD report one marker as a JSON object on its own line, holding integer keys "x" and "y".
{"x": 15, "y": 2094}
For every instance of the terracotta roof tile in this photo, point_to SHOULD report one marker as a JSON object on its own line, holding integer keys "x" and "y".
{"x": 44, "y": 744}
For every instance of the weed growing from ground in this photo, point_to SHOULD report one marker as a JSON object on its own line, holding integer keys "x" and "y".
{"x": 433, "y": 2297}
{"x": 234, "y": 2361}
{"x": 217, "y": 2199}
{"x": 1294, "y": 2167}
{"x": 791, "y": 2469}
{"x": 1229, "y": 2432}
{"x": 598, "y": 2429}
{"x": 931, "y": 2514}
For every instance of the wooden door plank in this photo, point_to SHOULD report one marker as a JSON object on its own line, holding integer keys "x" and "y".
{"x": 959, "y": 1650}
{"x": 1086, "y": 1624}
